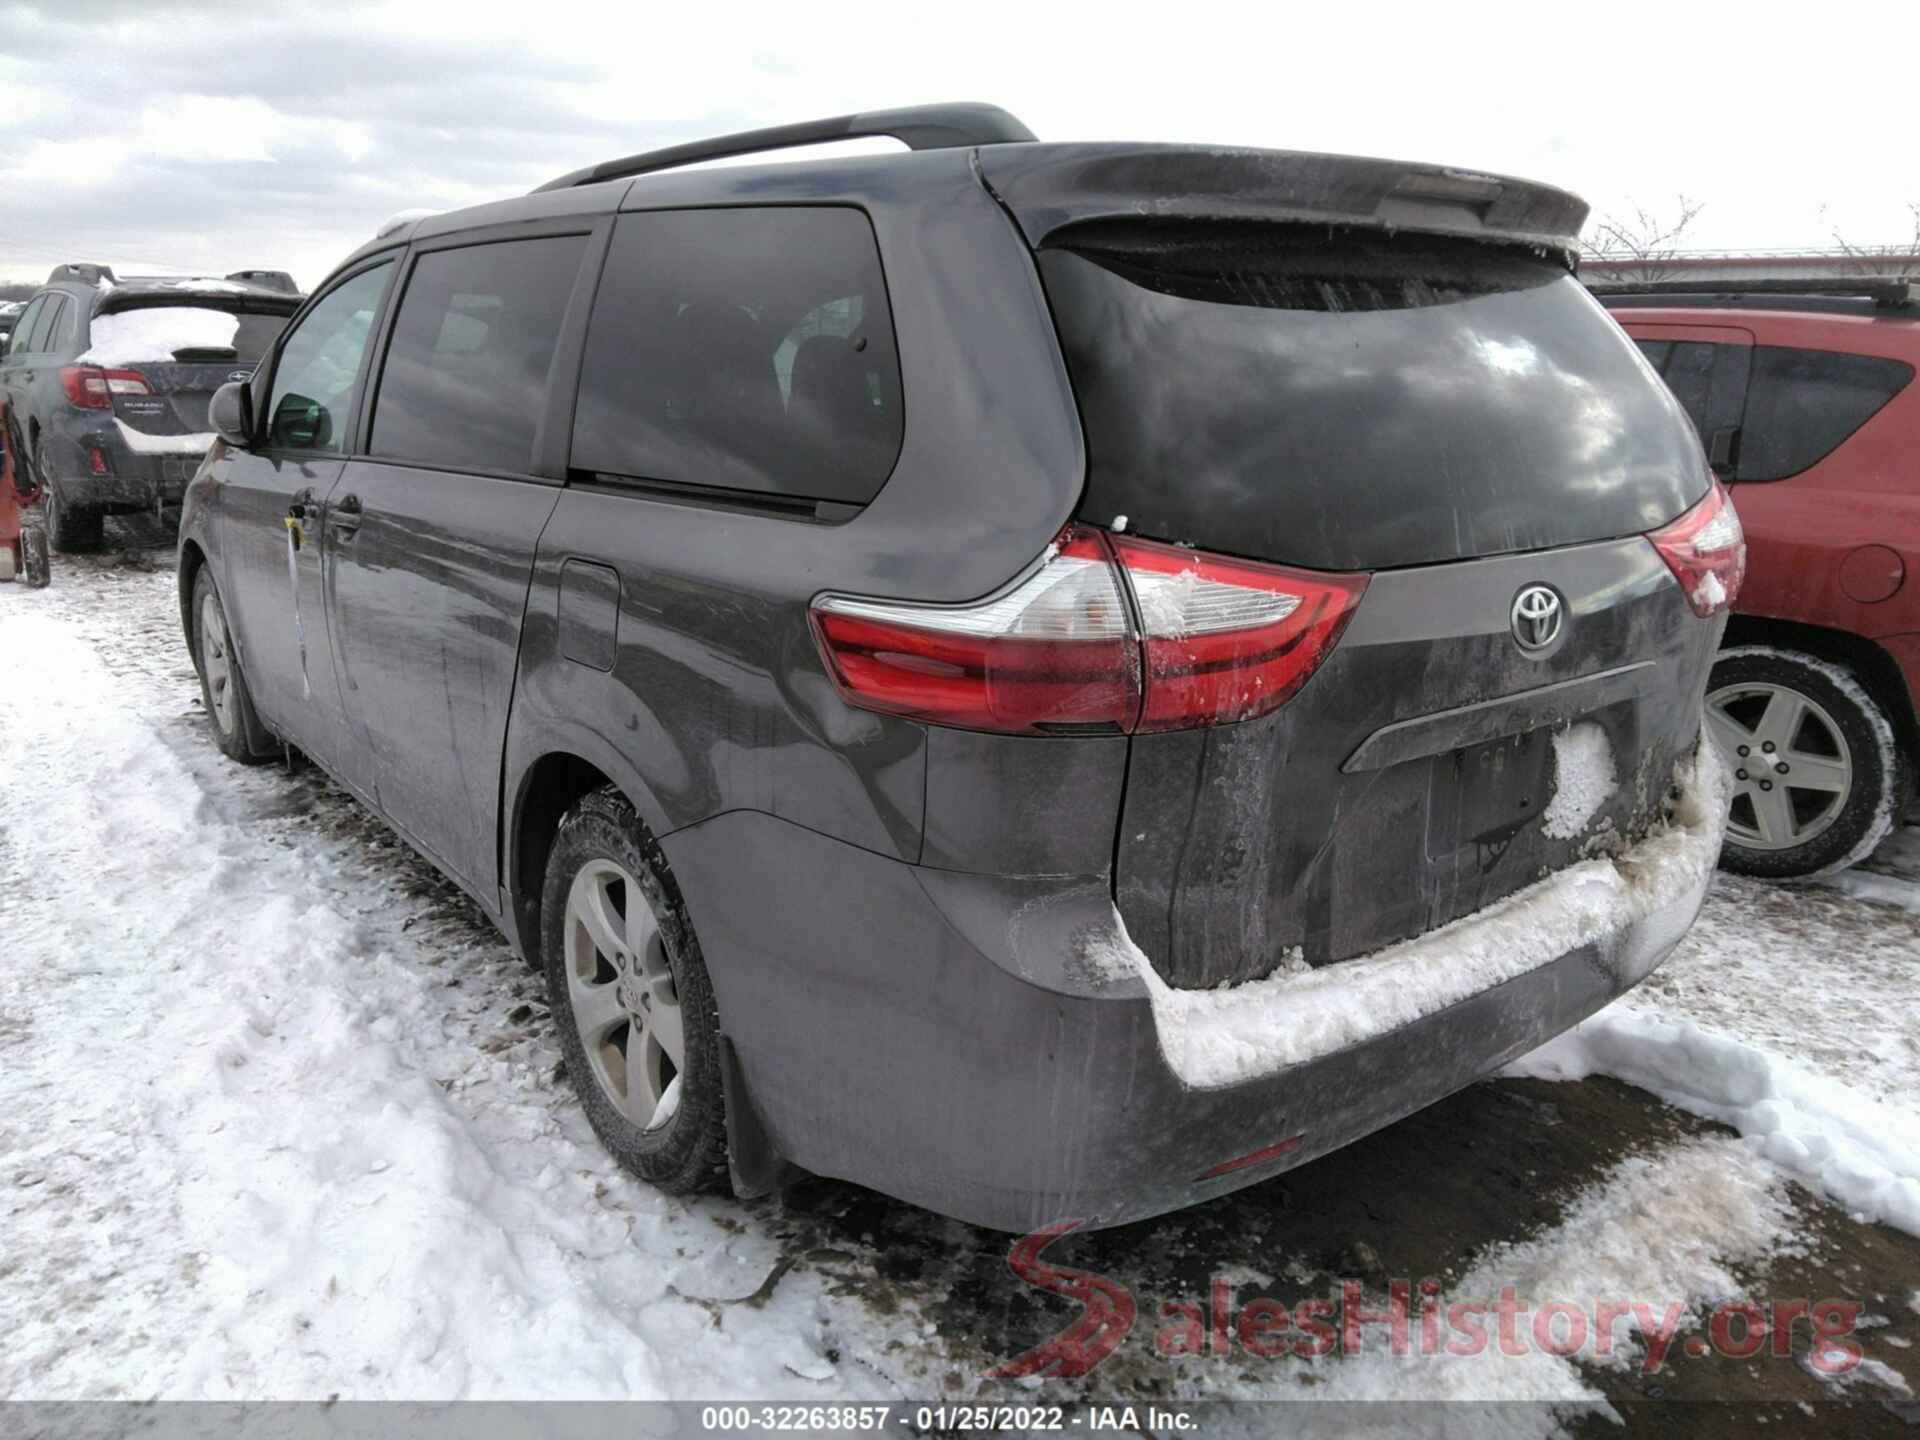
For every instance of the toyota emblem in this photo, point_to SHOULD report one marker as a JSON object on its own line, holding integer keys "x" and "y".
{"x": 1537, "y": 617}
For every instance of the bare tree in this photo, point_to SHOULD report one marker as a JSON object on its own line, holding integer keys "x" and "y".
{"x": 1885, "y": 262}
{"x": 1648, "y": 240}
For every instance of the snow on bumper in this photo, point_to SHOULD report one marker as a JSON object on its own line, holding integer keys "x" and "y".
{"x": 1631, "y": 909}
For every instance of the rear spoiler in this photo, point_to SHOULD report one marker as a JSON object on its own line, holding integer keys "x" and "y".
{"x": 1047, "y": 188}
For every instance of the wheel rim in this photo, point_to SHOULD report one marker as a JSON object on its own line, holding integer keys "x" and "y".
{"x": 621, "y": 991}
{"x": 1793, "y": 769}
{"x": 216, "y": 656}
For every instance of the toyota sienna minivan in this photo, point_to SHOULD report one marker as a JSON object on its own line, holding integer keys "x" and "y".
{"x": 1049, "y": 680}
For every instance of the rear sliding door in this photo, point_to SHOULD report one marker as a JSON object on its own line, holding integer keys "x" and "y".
{"x": 431, "y": 532}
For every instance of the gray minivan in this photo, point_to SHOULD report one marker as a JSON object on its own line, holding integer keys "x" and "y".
{"x": 1048, "y": 680}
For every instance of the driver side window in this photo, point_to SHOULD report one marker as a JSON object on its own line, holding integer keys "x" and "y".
{"x": 311, "y": 405}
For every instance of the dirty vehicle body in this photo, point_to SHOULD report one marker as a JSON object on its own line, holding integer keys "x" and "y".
{"x": 1805, "y": 402}
{"x": 721, "y": 574}
{"x": 108, "y": 380}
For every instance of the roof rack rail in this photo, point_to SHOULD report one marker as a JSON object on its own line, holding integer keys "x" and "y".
{"x": 267, "y": 280}
{"x": 918, "y": 127}
{"x": 1892, "y": 294}
{"x": 84, "y": 271}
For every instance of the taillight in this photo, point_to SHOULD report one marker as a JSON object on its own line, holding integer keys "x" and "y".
{"x": 89, "y": 388}
{"x": 1227, "y": 640}
{"x": 1060, "y": 650}
{"x": 1707, "y": 552}
{"x": 1054, "y": 651}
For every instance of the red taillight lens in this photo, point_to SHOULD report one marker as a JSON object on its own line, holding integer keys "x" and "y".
{"x": 1227, "y": 640}
{"x": 1707, "y": 552}
{"x": 1054, "y": 651}
{"x": 1059, "y": 650}
{"x": 92, "y": 389}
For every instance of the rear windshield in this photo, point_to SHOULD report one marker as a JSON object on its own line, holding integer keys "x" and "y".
{"x": 1353, "y": 400}
{"x": 203, "y": 331}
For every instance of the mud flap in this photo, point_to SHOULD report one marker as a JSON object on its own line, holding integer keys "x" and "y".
{"x": 754, "y": 1165}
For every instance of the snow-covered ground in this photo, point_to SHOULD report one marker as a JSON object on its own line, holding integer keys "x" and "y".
{"x": 279, "y": 1116}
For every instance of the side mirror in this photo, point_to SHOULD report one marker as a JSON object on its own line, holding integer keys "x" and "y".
{"x": 230, "y": 412}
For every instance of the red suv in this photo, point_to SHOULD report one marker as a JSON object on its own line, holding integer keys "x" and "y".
{"x": 1806, "y": 406}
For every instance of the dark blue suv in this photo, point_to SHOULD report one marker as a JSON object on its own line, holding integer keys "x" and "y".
{"x": 106, "y": 382}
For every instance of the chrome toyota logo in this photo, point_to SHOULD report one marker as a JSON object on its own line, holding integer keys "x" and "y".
{"x": 1537, "y": 616}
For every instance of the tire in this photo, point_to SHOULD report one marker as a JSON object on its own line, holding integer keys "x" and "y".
{"x": 223, "y": 686}
{"x": 1819, "y": 778}
{"x": 35, "y": 568}
{"x": 70, "y": 529}
{"x": 606, "y": 878}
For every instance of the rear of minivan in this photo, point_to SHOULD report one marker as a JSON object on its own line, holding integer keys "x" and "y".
{"x": 1342, "y": 745}
{"x": 1120, "y": 669}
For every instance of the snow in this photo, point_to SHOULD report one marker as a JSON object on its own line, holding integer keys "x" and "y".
{"x": 312, "y": 1162}
{"x": 1858, "y": 1151}
{"x": 142, "y": 443}
{"x": 1879, "y": 889}
{"x": 1583, "y": 778}
{"x": 1214, "y": 1038}
{"x": 1675, "y": 1228}
{"x": 1709, "y": 593}
{"x": 129, "y": 337}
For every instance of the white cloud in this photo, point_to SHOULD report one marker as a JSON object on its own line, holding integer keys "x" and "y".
{"x": 283, "y": 135}
{"x": 240, "y": 129}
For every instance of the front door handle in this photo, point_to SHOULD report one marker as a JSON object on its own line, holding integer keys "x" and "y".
{"x": 303, "y": 506}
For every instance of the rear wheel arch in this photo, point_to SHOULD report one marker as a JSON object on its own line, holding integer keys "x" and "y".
{"x": 546, "y": 790}
{"x": 1871, "y": 665}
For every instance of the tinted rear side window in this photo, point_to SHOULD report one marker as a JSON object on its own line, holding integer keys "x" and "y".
{"x": 465, "y": 381}
{"x": 1801, "y": 404}
{"x": 1689, "y": 374}
{"x": 746, "y": 349}
{"x": 23, "y": 328}
{"x": 1349, "y": 400}
{"x": 43, "y": 327}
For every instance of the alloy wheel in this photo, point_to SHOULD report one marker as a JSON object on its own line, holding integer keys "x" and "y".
{"x": 1792, "y": 767}
{"x": 620, "y": 988}
{"x": 216, "y": 656}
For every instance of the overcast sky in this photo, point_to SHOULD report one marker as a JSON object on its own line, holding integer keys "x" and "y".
{"x": 214, "y": 137}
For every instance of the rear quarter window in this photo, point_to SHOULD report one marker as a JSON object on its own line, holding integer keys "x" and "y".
{"x": 743, "y": 349}
{"x": 1803, "y": 404}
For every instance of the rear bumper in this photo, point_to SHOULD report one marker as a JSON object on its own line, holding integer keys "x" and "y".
{"x": 979, "y": 1047}
{"x": 135, "y": 480}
